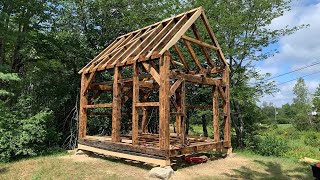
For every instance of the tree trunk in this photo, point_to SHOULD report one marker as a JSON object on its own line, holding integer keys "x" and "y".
{"x": 16, "y": 57}
{"x": 239, "y": 124}
{"x": 204, "y": 125}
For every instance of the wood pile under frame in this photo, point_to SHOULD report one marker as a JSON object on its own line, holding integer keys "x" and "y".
{"x": 158, "y": 63}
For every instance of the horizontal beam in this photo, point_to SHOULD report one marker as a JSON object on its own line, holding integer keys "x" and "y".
{"x": 146, "y": 104}
{"x": 195, "y": 78}
{"x": 142, "y": 158}
{"x": 201, "y": 43}
{"x": 98, "y": 106}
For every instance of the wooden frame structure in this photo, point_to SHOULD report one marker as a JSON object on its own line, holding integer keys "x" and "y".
{"x": 149, "y": 51}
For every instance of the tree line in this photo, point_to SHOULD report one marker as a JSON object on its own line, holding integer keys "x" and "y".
{"x": 44, "y": 43}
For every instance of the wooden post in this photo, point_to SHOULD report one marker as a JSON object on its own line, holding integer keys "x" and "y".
{"x": 178, "y": 110}
{"x": 164, "y": 107}
{"x": 116, "y": 107}
{"x": 183, "y": 111}
{"x": 144, "y": 119}
{"x": 83, "y": 111}
{"x": 135, "y": 99}
{"x": 226, "y": 108}
{"x": 215, "y": 110}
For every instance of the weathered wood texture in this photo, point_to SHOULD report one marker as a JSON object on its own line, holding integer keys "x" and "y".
{"x": 147, "y": 52}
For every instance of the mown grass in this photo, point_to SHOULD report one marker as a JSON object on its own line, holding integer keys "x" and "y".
{"x": 273, "y": 168}
{"x": 59, "y": 167}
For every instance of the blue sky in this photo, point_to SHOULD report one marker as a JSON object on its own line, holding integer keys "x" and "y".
{"x": 295, "y": 51}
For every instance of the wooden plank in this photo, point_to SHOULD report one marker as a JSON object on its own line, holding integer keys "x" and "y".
{"x": 103, "y": 58}
{"x": 193, "y": 55}
{"x": 131, "y": 47}
{"x": 200, "y": 43}
{"x": 175, "y": 86}
{"x": 164, "y": 108}
{"x": 169, "y": 35}
{"x": 182, "y": 30}
{"x": 147, "y": 104}
{"x": 146, "y": 159}
{"x": 116, "y": 106}
{"x": 111, "y": 46}
{"x": 214, "y": 40}
{"x": 164, "y": 21}
{"x": 143, "y": 43}
{"x": 118, "y": 146}
{"x": 184, "y": 62}
{"x": 152, "y": 71}
{"x": 83, "y": 111}
{"x": 135, "y": 99}
{"x": 98, "y": 106}
{"x": 204, "y": 50}
{"x": 196, "y": 148}
{"x": 155, "y": 39}
{"x": 215, "y": 110}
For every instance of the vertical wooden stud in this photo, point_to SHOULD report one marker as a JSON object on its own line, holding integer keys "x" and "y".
{"x": 178, "y": 110}
{"x": 226, "y": 108}
{"x": 144, "y": 119}
{"x": 116, "y": 107}
{"x": 183, "y": 111}
{"x": 164, "y": 108}
{"x": 135, "y": 99}
{"x": 215, "y": 110}
{"x": 83, "y": 111}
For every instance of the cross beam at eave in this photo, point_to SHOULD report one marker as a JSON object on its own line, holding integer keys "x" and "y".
{"x": 199, "y": 79}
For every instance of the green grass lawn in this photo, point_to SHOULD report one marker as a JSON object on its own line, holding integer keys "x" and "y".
{"x": 243, "y": 165}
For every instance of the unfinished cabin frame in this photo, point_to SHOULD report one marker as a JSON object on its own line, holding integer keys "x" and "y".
{"x": 149, "y": 52}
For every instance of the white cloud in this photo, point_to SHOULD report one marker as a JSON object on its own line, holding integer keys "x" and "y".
{"x": 296, "y": 50}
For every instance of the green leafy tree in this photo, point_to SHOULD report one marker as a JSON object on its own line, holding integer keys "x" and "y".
{"x": 301, "y": 105}
{"x": 242, "y": 30}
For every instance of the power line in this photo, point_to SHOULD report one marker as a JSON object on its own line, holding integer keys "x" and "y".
{"x": 298, "y": 78}
{"x": 293, "y": 71}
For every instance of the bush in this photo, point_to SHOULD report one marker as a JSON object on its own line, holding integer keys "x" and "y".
{"x": 271, "y": 146}
{"x": 312, "y": 139}
{"x": 26, "y": 137}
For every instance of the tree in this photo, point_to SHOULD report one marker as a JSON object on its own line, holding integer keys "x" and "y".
{"x": 242, "y": 30}
{"x": 301, "y": 105}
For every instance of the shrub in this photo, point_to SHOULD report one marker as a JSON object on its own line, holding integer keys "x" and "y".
{"x": 312, "y": 139}
{"x": 271, "y": 146}
{"x": 26, "y": 137}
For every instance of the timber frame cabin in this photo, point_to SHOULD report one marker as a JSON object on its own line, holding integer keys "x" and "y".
{"x": 154, "y": 56}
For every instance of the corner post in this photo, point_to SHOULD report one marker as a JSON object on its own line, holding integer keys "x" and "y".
{"x": 116, "y": 107}
{"x": 83, "y": 110}
{"x": 135, "y": 99}
{"x": 226, "y": 109}
{"x": 164, "y": 98}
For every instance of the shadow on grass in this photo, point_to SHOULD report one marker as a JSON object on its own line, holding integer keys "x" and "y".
{"x": 3, "y": 170}
{"x": 272, "y": 170}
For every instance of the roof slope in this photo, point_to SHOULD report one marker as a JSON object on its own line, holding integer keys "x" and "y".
{"x": 150, "y": 42}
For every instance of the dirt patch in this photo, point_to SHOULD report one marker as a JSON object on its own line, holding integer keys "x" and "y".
{"x": 212, "y": 169}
